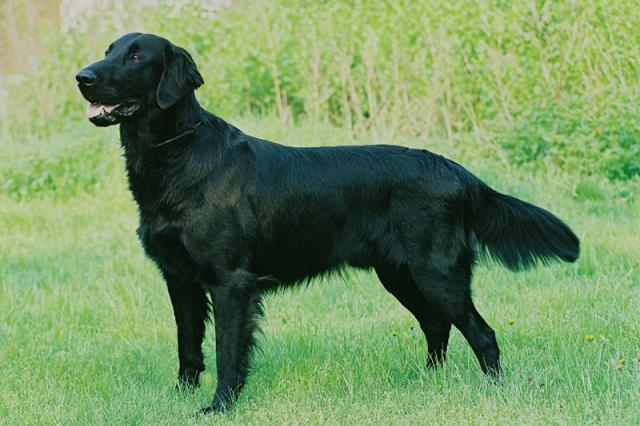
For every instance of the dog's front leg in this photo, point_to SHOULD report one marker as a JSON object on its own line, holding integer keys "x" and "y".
{"x": 235, "y": 314}
{"x": 189, "y": 302}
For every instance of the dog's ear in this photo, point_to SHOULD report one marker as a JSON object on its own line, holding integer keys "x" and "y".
{"x": 179, "y": 77}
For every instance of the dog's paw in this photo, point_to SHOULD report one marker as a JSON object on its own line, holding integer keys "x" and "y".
{"x": 434, "y": 363}
{"x": 494, "y": 374}
{"x": 214, "y": 408}
{"x": 221, "y": 403}
{"x": 188, "y": 379}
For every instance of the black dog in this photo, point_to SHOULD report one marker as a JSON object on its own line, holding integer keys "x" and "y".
{"x": 231, "y": 215}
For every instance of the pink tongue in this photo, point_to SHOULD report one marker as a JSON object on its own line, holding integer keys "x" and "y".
{"x": 94, "y": 110}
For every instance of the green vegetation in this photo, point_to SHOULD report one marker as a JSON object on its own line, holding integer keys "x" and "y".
{"x": 540, "y": 99}
{"x": 495, "y": 70}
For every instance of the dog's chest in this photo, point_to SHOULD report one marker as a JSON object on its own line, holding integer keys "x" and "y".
{"x": 160, "y": 230}
{"x": 166, "y": 242}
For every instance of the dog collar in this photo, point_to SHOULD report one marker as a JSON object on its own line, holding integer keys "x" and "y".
{"x": 185, "y": 133}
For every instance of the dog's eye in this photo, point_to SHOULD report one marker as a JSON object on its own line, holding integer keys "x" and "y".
{"x": 135, "y": 57}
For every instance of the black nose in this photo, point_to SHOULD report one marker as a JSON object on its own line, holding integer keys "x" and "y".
{"x": 86, "y": 77}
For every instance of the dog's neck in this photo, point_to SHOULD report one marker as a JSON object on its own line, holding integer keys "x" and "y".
{"x": 156, "y": 125}
{"x": 195, "y": 132}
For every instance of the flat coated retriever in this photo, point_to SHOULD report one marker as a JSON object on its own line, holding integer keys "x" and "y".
{"x": 232, "y": 216}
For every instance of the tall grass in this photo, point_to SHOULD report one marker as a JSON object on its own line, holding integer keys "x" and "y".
{"x": 531, "y": 83}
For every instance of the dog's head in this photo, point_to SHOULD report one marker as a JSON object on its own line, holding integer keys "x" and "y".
{"x": 139, "y": 72}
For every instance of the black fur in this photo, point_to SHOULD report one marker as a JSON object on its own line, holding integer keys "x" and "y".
{"x": 518, "y": 233}
{"x": 229, "y": 215}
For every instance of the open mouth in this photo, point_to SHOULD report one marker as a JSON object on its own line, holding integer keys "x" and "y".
{"x": 124, "y": 109}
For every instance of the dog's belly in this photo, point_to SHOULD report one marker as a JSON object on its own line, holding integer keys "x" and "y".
{"x": 294, "y": 256}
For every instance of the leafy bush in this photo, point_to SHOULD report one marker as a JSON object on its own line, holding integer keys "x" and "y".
{"x": 551, "y": 82}
{"x": 576, "y": 138}
{"x": 73, "y": 170}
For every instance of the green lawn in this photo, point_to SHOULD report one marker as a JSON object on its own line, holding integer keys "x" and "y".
{"x": 87, "y": 335}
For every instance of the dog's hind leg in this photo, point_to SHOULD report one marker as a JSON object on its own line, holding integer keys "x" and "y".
{"x": 449, "y": 289}
{"x": 434, "y": 324}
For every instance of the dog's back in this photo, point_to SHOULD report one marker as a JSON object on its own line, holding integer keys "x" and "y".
{"x": 320, "y": 208}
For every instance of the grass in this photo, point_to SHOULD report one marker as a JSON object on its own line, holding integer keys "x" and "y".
{"x": 88, "y": 335}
